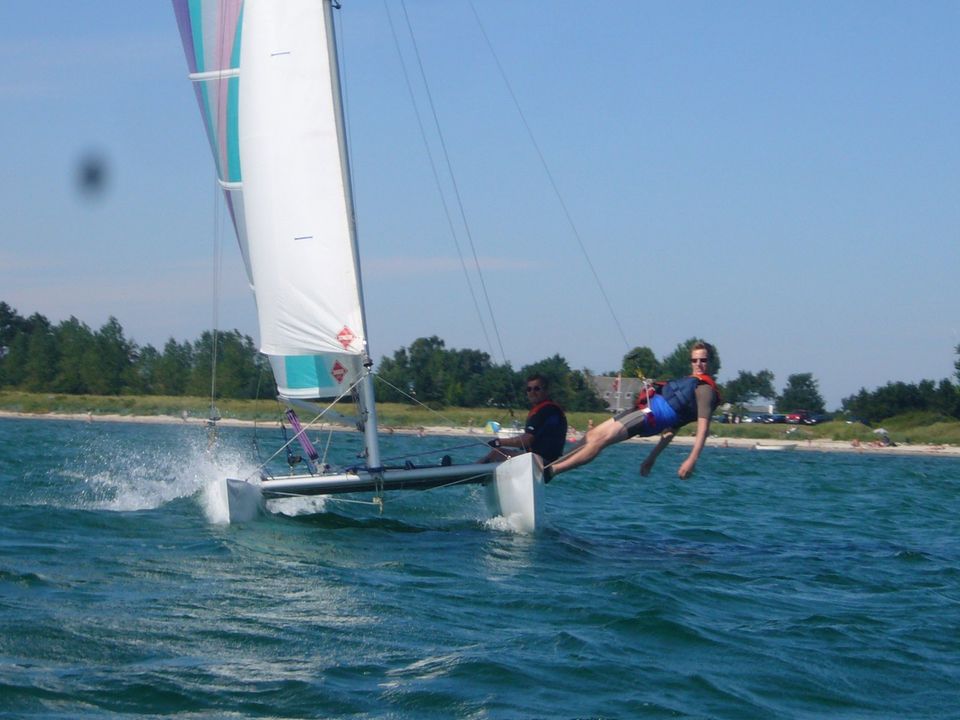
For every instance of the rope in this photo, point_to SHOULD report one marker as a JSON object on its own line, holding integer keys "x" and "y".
{"x": 450, "y": 421}
{"x": 550, "y": 177}
{"x": 453, "y": 182}
{"x": 436, "y": 176}
{"x": 433, "y": 451}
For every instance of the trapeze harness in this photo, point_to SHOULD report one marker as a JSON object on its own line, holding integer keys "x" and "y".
{"x": 663, "y": 406}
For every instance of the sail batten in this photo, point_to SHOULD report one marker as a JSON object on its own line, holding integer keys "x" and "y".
{"x": 214, "y": 75}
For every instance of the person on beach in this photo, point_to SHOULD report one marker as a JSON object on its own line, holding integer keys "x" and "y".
{"x": 670, "y": 406}
{"x": 545, "y": 431}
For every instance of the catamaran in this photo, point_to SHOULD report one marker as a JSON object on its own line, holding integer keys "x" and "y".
{"x": 266, "y": 77}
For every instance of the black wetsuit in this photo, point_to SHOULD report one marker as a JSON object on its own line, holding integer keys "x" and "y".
{"x": 548, "y": 425}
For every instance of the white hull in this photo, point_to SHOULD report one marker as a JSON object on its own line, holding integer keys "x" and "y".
{"x": 775, "y": 448}
{"x": 514, "y": 488}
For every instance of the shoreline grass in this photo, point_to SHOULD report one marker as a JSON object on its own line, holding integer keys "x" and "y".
{"x": 922, "y": 428}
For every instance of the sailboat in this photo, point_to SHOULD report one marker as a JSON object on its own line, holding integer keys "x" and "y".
{"x": 266, "y": 78}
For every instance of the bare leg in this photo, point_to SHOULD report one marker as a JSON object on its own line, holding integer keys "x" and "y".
{"x": 606, "y": 433}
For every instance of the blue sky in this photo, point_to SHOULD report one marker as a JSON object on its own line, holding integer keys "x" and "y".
{"x": 780, "y": 178}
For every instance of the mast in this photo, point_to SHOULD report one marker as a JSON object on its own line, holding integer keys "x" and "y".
{"x": 367, "y": 399}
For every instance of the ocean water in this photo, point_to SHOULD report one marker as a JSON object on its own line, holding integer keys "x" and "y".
{"x": 772, "y": 585}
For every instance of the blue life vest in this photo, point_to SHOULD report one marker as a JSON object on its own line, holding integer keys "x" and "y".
{"x": 681, "y": 394}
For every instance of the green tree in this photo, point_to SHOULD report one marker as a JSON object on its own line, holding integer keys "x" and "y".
{"x": 896, "y": 398}
{"x": 199, "y": 382}
{"x": 467, "y": 368}
{"x": 15, "y": 360}
{"x": 107, "y": 361}
{"x": 500, "y": 386}
{"x": 397, "y": 380}
{"x": 75, "y": 341}
{"x": 427, "y": 369}
{"x": 143, "y": 373}
{"x": 9, "y": 328}
{"x": 174, "y": 368}
{"x": 11, "y": 325}
{"x": 238, "y": 367}
{"x": 641, "y": 362}
{"x": 801, "y": 393}
{"x": 42, "y": 356}
{"x": 748, "y": 386}
{"x": 946, "y": 399}
{"x": 238, "y": 372}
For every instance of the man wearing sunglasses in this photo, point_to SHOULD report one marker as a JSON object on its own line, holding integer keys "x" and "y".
{"x": 673, "y": 404}
{"x": 544, "y": 433}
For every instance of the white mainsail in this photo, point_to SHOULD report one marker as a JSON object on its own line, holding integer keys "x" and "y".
{"x": 268, "y": 88}
{"x": 266, "y": 79}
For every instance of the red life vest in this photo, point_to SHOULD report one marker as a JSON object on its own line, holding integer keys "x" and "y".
{"x": 711, "y": 382}
{"x": 540, "y": 405}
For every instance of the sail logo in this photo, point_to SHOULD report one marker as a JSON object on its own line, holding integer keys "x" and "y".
{"x": 338, "y": 371}
{"x": 346, "y": 337}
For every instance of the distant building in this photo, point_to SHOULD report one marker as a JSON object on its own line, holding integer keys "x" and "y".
{"x": 763, "y": 405}
{"x": 618, "y": 393}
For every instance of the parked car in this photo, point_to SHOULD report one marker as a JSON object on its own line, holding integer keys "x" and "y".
{"x": 777, "y": 418}
{"x": 798, "y": 416}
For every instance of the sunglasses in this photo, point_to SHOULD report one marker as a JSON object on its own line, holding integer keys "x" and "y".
{"x": 534, "y": 388}
{"x": 700, "y": 360}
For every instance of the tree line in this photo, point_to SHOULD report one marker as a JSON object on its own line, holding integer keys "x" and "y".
{"x": 71, "y": 358}
{"x": 896, "y": 398}
{"x": 429, "y": 373}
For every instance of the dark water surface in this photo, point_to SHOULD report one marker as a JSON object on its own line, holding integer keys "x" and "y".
{"x": 773, "y": 585}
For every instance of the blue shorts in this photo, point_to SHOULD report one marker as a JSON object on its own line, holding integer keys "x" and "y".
{"x": 652, "y": 420}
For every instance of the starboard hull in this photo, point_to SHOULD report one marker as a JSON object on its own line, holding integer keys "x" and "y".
{"x": 514, "y": 488}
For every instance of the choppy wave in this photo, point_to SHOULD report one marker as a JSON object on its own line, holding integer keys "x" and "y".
{"x": 770, "y": 585}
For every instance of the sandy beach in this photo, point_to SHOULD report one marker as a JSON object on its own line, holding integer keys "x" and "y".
{"x": 765, "y": 445}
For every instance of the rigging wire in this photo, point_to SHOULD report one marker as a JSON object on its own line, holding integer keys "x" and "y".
{"x": 550, "y": 177}
{"x": 306, "y": 426}
{"x": 436, "y": 175}
{"x": 416, "y": 401}
{"x": 453, "y": 182}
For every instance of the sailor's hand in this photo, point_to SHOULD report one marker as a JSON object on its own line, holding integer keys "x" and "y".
{"x": 495, "y": 443}
{"x": 686, "y": 469}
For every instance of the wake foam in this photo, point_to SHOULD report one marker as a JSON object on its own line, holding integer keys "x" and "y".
{"x": 146, "y": 476}
{"x": 514, "y": 523}
{"x": 296, "y": 506}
